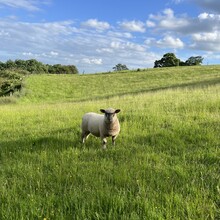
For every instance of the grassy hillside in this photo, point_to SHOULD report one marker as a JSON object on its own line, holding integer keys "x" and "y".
{"x": 53, "y": 88}
{"x": 165, "y": 164}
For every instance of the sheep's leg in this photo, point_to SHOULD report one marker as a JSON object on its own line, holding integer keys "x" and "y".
{"x": 104, "y": 142}
{"x": 85, "y": 136}
{"x": 113, "y": 140}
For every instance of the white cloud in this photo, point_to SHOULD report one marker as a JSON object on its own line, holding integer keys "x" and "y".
{"x": 169, "y": 21}
{"x": 117, "y": 45}
{"x": 33, "y": 5}
{"x": 203, "y": 16}
{"x": 206, "y": 41}
{"x": 120, "y": 34}
{"x": 170, "y": 42}
{"x": 27, "y": 54}
{"x": 207, "y": 16}
{"x": 183, "y": 24}
{"x": 215, "y": 36}
{"x": 169, "y": 13}
{"x": 94, "y": 23}
{"x": 166, "y": 42}
{"x": 104, "y": 50}
{"x": 52, "y": 53}
{"x": 92, "y": 61}
{"x": 30, "y": 55}
{"x": 4, "y": 33}
{"x": 150, "y": 24}
{"x": 133, "y": 26}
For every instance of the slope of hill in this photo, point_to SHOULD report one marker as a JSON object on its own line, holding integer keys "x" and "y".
{"x": 53, "y": 88}
{"x": 165, "y": 164}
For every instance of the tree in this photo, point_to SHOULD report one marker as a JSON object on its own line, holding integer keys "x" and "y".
{"x": 34, "y": 66}
{"x": 62, "y": 69}
{"x": 2, "y": 65}
{"x": 168, "y": 60}
{"x": 120, "y": 67}
{"x": 194, "y": 61}
{"x": 20, "y": 64}
{"x": 10, "y": 64}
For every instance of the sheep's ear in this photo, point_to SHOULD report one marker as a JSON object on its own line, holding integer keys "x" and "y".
{"x": 102, "y": 110}
{"x": 117, "y": 110}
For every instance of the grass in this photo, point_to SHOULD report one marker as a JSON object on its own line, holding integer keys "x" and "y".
{"x": 63, "y": 88}
{"x": 165, "y": 164}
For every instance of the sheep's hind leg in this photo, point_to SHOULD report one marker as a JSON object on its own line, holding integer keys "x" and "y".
{"x": 85, "y": 136}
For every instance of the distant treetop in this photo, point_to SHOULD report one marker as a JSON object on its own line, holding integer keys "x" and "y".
{"x": 169, "y": 60}
{"x": 120, "y": 67}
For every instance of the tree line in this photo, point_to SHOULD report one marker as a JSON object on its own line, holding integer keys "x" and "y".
{"x": 168, "y": 60}
{"x": 33, "y": 66}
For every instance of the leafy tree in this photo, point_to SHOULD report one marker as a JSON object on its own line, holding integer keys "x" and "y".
{"x": 120, "y": 67}
{"x": 10, "y": 64}
{"x": 193, "y": 61}
{"x": 62, "y": 69}
{"x": 72, "y": 69}
{"x": 2, "y": 65}
{"x": 34, "y": 66}
{"x": 21, "y": 64}
{"x": 168, "y": 60}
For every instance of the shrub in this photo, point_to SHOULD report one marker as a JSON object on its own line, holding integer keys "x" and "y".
{"x": 10, "y": 82}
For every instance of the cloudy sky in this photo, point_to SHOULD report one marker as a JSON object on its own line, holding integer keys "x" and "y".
{"x": 95, "y": 35}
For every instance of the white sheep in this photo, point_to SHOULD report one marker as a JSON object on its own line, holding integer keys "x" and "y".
{"x": 102, "y": 126}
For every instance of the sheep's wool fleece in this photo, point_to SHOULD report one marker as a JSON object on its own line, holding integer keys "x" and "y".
{"x": 110, "y": 110}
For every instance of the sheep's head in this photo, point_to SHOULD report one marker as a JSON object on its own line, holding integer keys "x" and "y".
{"x": 110, "y": 114}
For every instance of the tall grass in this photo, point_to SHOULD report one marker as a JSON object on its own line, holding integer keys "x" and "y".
{"x": 165, "y": 164}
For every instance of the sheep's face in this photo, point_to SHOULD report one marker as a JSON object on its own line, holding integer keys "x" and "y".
{"x": 110, "y": 114}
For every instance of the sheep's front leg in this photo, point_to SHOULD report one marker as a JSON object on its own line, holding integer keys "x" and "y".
{"x": 113, "y": 140}
{"x": 104, "y": 142}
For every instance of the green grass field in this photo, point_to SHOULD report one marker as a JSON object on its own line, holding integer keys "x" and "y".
{"x": 166, "y": 163}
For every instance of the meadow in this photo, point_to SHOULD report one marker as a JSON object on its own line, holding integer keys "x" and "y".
{"x": 165, "y": 164}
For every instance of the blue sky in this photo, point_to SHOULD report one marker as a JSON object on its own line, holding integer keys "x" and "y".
{"x": 95, "y": 35}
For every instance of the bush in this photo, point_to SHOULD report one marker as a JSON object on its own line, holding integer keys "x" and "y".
{"x": 10, "y": 82}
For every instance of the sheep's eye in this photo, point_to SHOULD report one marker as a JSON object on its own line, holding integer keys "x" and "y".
{"x": 109, "y": 115}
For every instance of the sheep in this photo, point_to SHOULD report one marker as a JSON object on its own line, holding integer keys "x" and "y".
{"x": 102, "y": 126}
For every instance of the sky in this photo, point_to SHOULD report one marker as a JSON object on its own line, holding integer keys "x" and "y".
{"x": 95, "y": 35}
